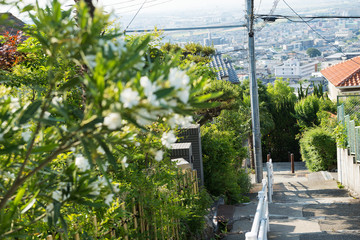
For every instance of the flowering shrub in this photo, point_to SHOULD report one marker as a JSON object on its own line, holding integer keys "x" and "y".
{"x": 88, "y": 133}
{"x": 9, "y": 56}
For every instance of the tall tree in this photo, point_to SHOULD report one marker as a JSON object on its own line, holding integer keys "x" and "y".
{"x": 313, "y": 52}
{"x": 282, "y": 139}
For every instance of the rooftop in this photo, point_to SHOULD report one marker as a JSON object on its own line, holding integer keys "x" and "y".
{"x": 10, "y": 23}
{"x": 344, "y": 74}
{"x": 224, "y": 69}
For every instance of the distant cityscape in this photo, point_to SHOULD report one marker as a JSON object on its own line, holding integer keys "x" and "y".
{"x": 281, "y": 46}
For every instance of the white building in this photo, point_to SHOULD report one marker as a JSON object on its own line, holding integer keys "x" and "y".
{"x": 295, "y": 69}
{"x": 344, "y": 34}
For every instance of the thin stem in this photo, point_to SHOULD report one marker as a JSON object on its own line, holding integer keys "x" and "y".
{"x": 21, "y": 228}
{"x": 21, "y": 180}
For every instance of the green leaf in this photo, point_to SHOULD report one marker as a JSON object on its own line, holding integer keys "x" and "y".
{"x": 27, "y": 8}
{"x": 163, "y": 92}
{"x": 69, "y": 84}
{"x": 57, "y": 213}
{"x": 14, "y": 204}
{"x": 208, "y": 96}
{"x": 87, "y": 144}
{"x": 108, "y": 153}
{"x": 90, "y": 123}
{"x": 46, "y": 148}
{"x": 30, "y": 111}
{"x": 30, "y": 203}
{"x": 206, "y": 105}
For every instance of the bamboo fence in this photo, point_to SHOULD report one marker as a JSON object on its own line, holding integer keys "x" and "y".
{"x": 143, "y": 223}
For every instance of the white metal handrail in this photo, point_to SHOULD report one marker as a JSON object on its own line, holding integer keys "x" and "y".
{"x": 261, "y": 224}
{"x": 270, "y": 179}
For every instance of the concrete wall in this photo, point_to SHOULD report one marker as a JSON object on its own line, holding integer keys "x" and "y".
{"x": 333, "y": 92}
{"x": 348, "y": 170}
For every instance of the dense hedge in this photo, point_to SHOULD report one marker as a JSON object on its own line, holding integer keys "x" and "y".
{"x": 318, "y": 149}
{"x": 222, "y": 168}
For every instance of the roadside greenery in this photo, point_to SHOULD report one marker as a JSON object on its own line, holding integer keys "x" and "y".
{"x": 222, "y": 164}
{"x": 317, "y": 122}
{"x": 318, "y": 149}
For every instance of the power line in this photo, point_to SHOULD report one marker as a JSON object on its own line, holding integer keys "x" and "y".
{"x": 271, "y": 18}
{"x": 258, "y": 8}
{"x": 189, "y": 28}
{"x": 148, "y": 6}
{"x": 134, "y": 16}
{"x": 339, "y": 49}
{"x": 134, "y": 5}
{"x": 270, "y": 13}
{"x": 119, "y": 3}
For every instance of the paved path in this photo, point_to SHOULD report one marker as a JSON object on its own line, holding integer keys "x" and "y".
{"x": 305, "y": 206}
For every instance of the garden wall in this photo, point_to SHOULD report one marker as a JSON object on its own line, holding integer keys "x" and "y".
{"x": 348, "y": 170}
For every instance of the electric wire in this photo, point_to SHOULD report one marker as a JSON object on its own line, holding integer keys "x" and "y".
{"x": 275, "y": 3}
{"x": 258, "y": 8}
{"x": 135, "y": 16}
{"x": 148, "y": 6}
{"x": 118, "y": 3}
{"x": 135, "y": 5}
{"x": 189, "y": 28}
{"x": 316, "y": 32}
{"x": 267, "y": 17}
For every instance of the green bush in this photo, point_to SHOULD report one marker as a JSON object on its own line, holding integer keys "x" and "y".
{"x": 318, "y": 149}
{"x": 221, "y": 167}
{"x": 306, "y": 110}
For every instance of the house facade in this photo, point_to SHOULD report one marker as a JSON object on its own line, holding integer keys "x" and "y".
{"x": 295, "y": 69}
{"x": 343, "y": 78}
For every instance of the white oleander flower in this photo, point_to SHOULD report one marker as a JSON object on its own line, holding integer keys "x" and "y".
{"x": 129, "y": 98}
{"x": 102, "y": 181}
{"x": 26, "y": 135}
{"x": 56, "y": 100}
{"x": 143, "y": 117}
{"x": 124, "y": 162}
{"x": 105, "y": 166}
{"x": 82, "y": 163}
{"x": 109, "y": 199}
{"x": 64, "y": 128}
{"x": 57, "y": 195}
{"x": 8, "y": 175}
{"x": 168, "y": 138}
{"x": 14, "y": 104}
{"x": 47, "y": 114}
{"x": 159, "y": 155}
{"x": 149, "y": 90}
{"x": 95, "y": 187}
{"x": 137, "y": 144}
{"x": 181, "y": 121}
{"x": 113, "y": 121}
{"x": 184, "y": 95}
{"x": 116, "y": 187}
{"x": 100, "y": 150}
{"x": 49, "y": 209}
{"x": 178, "y": 79}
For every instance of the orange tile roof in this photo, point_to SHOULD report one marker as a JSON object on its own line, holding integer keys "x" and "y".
{"x": 344, "y": 74}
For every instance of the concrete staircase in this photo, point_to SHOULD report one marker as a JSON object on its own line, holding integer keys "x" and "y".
{"x": 305, "y": 206}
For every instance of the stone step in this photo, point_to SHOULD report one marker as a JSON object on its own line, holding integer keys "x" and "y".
{"x": 314, "y": 207}
{"x": 314, "y": 236}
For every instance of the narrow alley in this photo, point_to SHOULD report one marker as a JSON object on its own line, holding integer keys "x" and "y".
{"x": 305, "y": 206}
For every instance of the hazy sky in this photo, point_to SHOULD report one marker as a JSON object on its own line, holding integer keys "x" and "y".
{"x": 127, "y": 8}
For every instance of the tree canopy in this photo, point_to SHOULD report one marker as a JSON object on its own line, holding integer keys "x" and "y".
{"x": 313, "y": 52}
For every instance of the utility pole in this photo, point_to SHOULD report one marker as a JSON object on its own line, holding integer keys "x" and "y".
{"x": 254, "y": 93}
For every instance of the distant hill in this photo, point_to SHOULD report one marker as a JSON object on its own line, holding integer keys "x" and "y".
{"x": 10, "y": 23}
